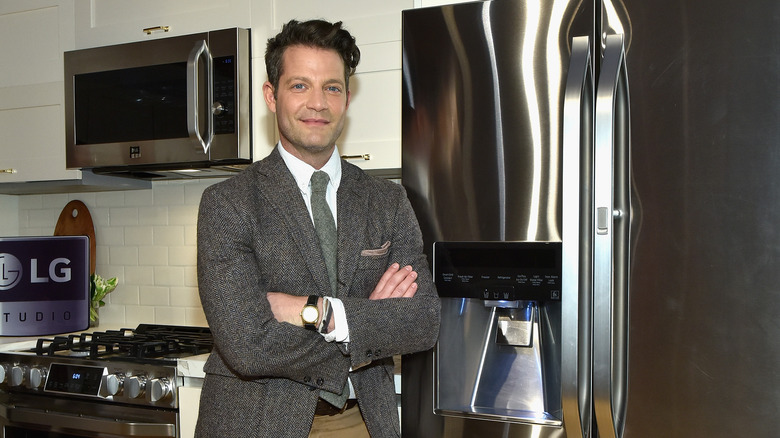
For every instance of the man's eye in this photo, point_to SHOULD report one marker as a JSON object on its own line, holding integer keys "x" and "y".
{"x": 334, "y": 89}
{"x": 298, "y": 87}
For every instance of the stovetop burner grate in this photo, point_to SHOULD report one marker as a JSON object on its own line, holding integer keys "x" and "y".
{"x": 148, "y": 342}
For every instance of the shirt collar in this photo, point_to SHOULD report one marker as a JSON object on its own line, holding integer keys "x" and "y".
{"x": 302, "y": 171}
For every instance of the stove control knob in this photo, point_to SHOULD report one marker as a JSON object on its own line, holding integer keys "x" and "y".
{"x": 17, "y": 375}
{"x": 159, "y": 389}
{"x": 135, "y": 386}
{"x": 113, "y": 383}
{"x": 37, "y": 377}
{"x": 3, "y": 372}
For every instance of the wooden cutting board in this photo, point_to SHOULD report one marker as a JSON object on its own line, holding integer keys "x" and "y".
{"x": 75, "y": 220}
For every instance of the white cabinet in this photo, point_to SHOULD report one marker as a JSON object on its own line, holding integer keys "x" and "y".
{"x": 106, "y": 22}
{"x": 33, "y": 36}
{"x": 189, "y": 403}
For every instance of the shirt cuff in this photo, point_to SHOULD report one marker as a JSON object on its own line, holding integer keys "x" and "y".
{"x": 341, "y": 331}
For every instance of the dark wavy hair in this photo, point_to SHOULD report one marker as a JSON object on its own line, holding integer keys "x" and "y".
{"x": 313, "y": 33}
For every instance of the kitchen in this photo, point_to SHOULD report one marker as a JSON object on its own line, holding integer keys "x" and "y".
{"x": 146, "y": 235}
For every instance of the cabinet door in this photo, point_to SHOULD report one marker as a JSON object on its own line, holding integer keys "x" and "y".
{"x": 120, "y": 21}
{"x": 373, "y": 128}
{"x": 33, "y": 36}
{"x": 189, "y": 403}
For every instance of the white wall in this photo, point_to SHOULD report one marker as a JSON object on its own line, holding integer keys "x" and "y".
{"x": 9, "y": 217}
{"x": 146, "y": 238}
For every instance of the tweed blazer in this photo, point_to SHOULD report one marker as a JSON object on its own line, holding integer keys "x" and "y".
{"x": 255, "y": 235}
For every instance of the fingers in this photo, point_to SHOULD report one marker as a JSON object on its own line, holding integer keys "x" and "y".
{"x": 396, "y": 282}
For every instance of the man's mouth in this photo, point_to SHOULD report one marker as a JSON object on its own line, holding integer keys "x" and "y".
{"x": 315, "y": 121}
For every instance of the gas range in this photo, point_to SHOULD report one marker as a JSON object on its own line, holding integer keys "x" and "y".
{"x": 125, "y": 373}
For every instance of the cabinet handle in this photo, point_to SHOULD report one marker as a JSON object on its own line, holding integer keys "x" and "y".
{"x": 7, "y": 170}
{"x": 357, "y": 157}
{"x": 149, "y": 30}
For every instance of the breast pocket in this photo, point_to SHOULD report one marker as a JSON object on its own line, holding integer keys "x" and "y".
{"x": 374, "y": 258}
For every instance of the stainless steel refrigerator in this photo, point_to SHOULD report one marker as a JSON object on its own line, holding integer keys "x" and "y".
{"x": 598, "y": 186}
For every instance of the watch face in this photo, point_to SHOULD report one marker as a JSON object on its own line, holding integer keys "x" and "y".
{"x": 310, "y": 314}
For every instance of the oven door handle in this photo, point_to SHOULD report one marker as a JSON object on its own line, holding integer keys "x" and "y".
{"x": 37, "y": 417}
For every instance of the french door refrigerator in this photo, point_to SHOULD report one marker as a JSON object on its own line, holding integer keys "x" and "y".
{"x": 598, "y": 186}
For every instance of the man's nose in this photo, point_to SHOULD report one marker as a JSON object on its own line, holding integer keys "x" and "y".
{"x": 318, "y": 101}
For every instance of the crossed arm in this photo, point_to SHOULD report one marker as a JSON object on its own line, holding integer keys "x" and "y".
{"x": 396, "y": 282}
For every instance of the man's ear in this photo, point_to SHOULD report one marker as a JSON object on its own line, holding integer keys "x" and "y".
{"x": 268, "y": 96}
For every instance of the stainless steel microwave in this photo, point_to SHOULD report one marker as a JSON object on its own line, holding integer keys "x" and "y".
{"x": 172, "y": 104}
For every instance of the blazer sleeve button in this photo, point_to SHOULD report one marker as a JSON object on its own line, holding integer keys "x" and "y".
{"x": 369, "y": 353}
{"x": 307, "y": 379}
{"x": 320, "y": 381}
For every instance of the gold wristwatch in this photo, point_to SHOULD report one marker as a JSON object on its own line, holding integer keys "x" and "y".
{"x": 310, "y": 313}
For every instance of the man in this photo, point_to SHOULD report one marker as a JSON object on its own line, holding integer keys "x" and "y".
{"x": 293, "y": 321}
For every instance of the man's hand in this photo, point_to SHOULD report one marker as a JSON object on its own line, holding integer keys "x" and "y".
{"x": 396, "y": 282}
{"x": 287, "y": 308}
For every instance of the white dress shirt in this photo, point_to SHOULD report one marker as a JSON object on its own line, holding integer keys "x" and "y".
{"x": 302, "y": 173}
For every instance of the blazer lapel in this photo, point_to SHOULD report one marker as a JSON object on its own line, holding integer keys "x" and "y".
{"x": 278, "y": 186}
{"x": 352, "y": 217}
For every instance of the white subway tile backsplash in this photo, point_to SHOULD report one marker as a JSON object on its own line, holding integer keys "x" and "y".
{"x": 125, "y": 294}
{"x": 139, "y": 198}
{"x": 139, "y": 314}
{"x": 152, "y": 215}
{"x": 138, "y": 236}
{"x": 123, "y": 216}
{"x": 169, "y": 193}
{"x": 145, "y": 238}
{"x": 168, "y": 235}
{"x": 139, "y": 275}
{"x": 123, "y": 255}
{"x": 110, "y": 199}
{"x": 154, "y": 296}
{"x": 183, "y": 215}
{"x": 182, "y": 296}
{"x": 152, "y": 255}
{"x": 30, "y": 202}
{"x": 191, "y": 276}
{"x": 182, "y": 256}
{"x": 169, "y": 275}
{"x": 191, "y": 235}
{"x": 109, "y": 236}
{"x": 170, "y": 315}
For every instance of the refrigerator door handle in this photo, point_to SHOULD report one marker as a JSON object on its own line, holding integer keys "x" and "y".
{"x": 611, "y": 240}
{"x": 576, "y": 279}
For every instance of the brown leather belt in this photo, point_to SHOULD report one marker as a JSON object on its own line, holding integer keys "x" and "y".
{"x": 325, "y": 408}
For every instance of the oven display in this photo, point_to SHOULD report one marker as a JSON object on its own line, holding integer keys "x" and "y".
{"x": 74, "y": 379}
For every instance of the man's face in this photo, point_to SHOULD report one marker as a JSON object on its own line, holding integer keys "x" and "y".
{"x": 311, "y": 102}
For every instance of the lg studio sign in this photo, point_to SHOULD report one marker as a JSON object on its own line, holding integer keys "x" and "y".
{"x": 12, "y": 275}
{"x": 44, "y": 285}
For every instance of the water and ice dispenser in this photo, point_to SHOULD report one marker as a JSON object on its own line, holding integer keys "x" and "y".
{"x": 498, "y": 355}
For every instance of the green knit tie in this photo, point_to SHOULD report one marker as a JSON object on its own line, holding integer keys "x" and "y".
{"x": 325, "y": 227}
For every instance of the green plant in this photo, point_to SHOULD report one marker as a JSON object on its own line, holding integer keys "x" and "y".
{"x": 99, "y": 287}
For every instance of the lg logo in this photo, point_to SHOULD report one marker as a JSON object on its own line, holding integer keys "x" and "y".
{"x": 11, "y": 269}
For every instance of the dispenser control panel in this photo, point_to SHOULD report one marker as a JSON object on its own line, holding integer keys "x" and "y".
{"x": 507, "y": 271}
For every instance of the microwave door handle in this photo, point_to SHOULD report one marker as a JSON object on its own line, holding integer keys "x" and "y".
{"x": 193, "y": 94}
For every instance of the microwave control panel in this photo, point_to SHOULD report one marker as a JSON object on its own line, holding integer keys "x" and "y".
{"x": 508, "y": 271}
